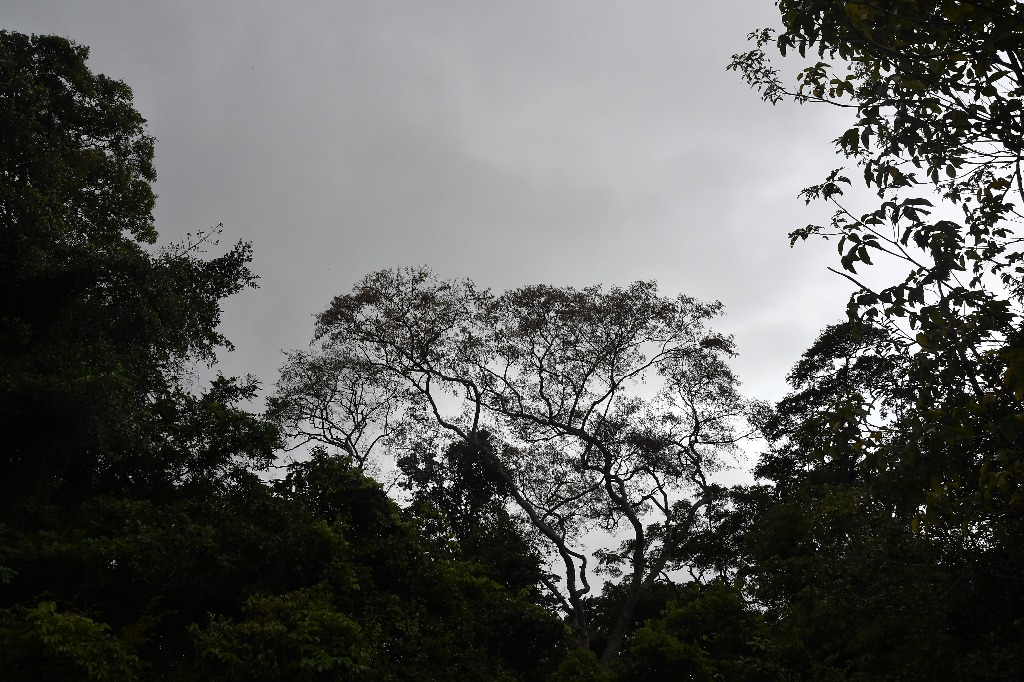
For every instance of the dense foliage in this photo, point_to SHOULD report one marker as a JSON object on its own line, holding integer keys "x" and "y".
{"x": 886, "y": 542}
{"x": 141, "y": 537}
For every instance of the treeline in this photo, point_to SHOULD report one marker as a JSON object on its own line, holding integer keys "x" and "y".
{"x": 143, "y": 535}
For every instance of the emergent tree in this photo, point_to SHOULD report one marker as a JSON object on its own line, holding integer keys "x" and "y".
{"x": 549, "y": 387}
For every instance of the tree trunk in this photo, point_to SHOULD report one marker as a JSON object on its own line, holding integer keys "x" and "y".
{"x": 618, "y": 632}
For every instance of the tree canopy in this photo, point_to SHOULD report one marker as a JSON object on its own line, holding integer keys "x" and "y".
{"x": 882, "y": 539}
{"x": 153, "y": 529}
{"x": 934, "y": 90}
{"x": 94, "y": 326}
{"x": 544, "y": 386}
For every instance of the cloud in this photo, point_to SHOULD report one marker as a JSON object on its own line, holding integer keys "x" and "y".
{"x": 514, "y": 143}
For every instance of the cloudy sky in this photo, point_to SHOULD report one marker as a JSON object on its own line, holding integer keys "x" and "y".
{"x": 512, "y": 143}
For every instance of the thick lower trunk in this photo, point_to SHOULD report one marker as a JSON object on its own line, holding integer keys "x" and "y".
{"x": 618, "y": 631}
{"x": 579, "y": 622}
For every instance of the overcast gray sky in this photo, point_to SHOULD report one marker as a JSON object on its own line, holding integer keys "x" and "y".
{"x": 512, "y": 143}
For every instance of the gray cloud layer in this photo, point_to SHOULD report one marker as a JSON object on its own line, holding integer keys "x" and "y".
{"x": 512, "y": 143}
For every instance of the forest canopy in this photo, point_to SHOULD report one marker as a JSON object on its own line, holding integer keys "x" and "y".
{"x": 150, "y": 529}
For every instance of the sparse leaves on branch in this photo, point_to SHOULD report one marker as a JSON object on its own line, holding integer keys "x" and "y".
{"x": 935, "y": 93}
